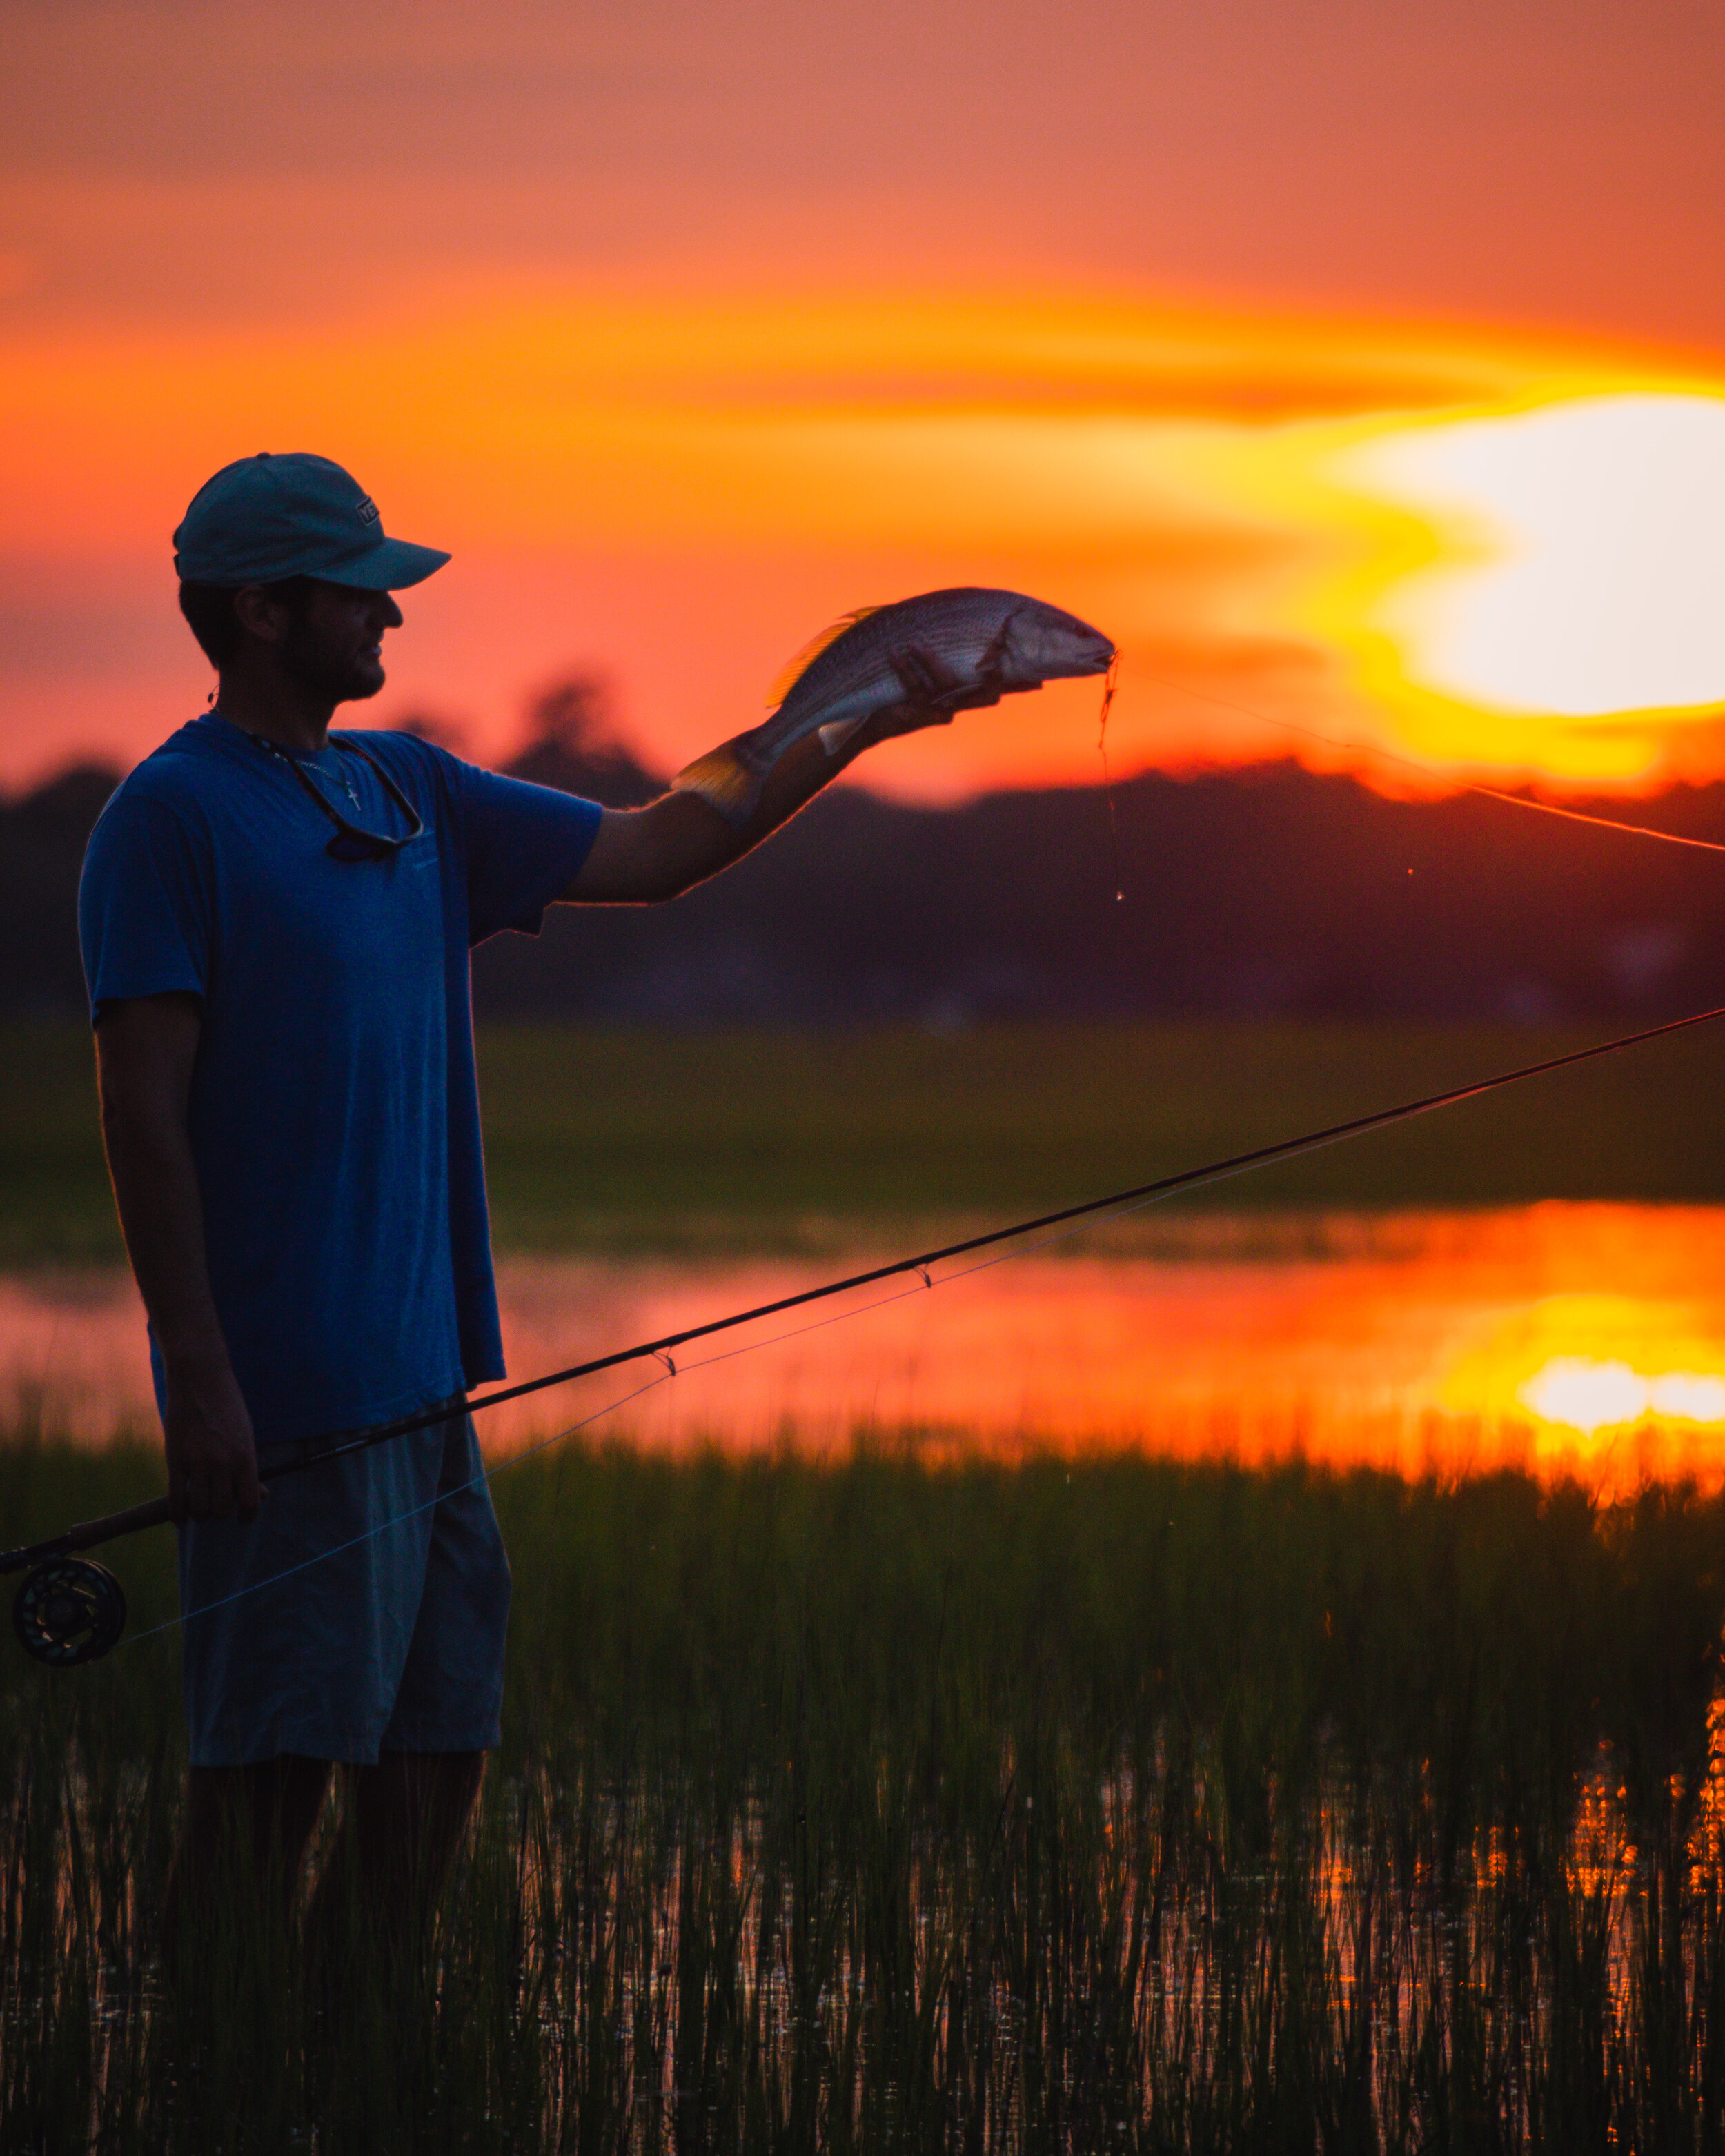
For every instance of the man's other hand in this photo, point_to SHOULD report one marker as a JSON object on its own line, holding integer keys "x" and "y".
{"x": 146, "y": 1047}
{"x": 212, "y": 1458}
{"x": 932, "y": 693}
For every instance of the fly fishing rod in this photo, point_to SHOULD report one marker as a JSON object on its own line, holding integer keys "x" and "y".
{"x": 70, "y": 1610}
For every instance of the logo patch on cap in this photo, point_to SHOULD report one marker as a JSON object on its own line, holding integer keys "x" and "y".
{"x": 368, "y": 511}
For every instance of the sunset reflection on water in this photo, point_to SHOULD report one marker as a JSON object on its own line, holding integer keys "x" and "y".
{"x": 1564, "y": 1338}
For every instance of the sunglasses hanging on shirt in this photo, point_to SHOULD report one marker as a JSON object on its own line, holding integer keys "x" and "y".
{"x": 352, "y": 841}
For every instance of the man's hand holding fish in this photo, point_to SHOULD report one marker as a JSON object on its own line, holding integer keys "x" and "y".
{"x": 643, "y": 854}
{"x": 932, "y": 693}
{"x": 920, "y": 658}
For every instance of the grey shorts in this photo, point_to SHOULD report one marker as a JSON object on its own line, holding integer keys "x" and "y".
{"x": 364, "y": 1610}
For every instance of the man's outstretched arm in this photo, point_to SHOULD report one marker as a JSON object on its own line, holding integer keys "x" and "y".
{"x": 643, "y": 855}
{"x": 146, "y": 1046}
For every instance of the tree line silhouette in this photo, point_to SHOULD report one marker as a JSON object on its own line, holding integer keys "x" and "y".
{"x": 1261, "y": 891}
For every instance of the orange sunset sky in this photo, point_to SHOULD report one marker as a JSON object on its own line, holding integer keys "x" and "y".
{"x": 1357, "y": 365}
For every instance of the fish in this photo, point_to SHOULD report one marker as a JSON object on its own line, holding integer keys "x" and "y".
{"x": 998, "y": 643}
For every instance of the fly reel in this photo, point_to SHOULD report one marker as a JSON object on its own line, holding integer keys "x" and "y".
{"x": 69, "y": 1609}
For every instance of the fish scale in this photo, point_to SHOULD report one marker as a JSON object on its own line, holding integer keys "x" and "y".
{"x": 998, "y": 643}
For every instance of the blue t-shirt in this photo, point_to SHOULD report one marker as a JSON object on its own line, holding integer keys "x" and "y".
{"x": 334, "y": 1110}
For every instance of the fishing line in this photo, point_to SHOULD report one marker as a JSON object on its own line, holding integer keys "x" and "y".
{"x": 487, "y": 1473}
{"x": 1108, "y": 687}
{"x": 1408, "y": 763}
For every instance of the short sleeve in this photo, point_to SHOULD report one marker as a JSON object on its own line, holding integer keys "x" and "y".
{"x": 525, "y": 844}
{"x": 143, "y": 906}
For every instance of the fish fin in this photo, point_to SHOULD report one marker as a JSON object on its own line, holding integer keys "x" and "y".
{"x": 788, "y": 675}
{"x": 724, "y": 782}
{"x": 837, "y": 732}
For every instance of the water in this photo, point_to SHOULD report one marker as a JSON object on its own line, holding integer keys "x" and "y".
{"x": 1586, "y": 1338}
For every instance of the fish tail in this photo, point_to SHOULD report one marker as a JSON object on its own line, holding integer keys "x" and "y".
{"x": 724, "y": 782}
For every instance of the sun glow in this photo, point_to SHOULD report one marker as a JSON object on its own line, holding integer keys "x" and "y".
{"x": 1591, "y": 539}
{"x": 1531, "y": 585}
{"x": 1445, "y": 546}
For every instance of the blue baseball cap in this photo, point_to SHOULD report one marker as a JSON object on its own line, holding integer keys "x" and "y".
{"x": 267, "y": 518}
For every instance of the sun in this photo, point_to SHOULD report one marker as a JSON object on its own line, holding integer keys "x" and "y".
{"x": 1591, "y": 580}
{"x": 1534, "y": 587}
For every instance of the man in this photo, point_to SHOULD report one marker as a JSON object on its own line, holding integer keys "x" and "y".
{"x": 275, "y": 923}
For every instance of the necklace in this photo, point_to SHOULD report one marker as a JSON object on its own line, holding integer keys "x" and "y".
{"x": 347, "y": 786}
{"x": 298, "y": 762}
{"x": 294, "y": 762}
{"x": 350, "y": 843}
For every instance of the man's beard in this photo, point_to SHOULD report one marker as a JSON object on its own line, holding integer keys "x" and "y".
{"x": 342, "y": 680}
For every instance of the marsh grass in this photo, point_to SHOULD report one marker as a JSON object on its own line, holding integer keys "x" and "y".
{"x": 617, "y": 1138}
{"x": 1067, "y": 1805}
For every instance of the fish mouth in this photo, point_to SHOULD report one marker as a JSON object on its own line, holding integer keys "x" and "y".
{"x": 1090, "y": 659}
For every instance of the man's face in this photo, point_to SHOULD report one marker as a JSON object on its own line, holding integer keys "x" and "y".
{"x": 333, "y": 641}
